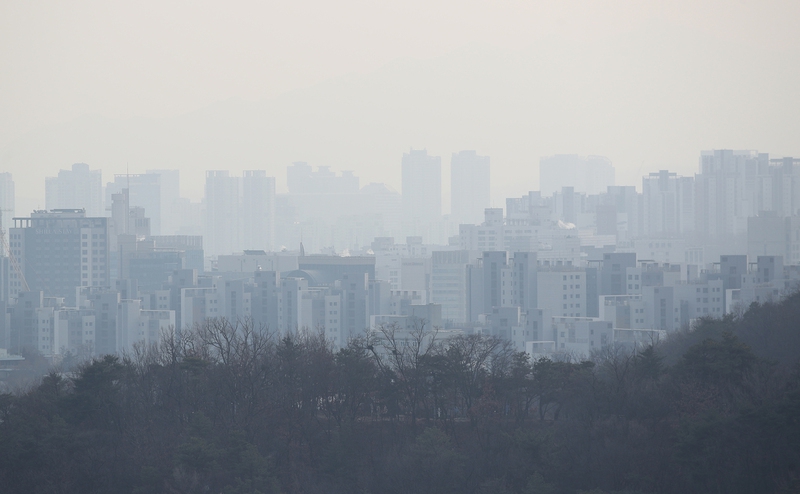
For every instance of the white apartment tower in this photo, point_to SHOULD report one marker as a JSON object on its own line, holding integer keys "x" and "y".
{"x": 221, "y": 234}
{"x": 449, "y": 283}
{"x": 144, "y": 191}
{"x": 422, "y": 189}
{"x": 727, "y": 190}
{"x": 7, "y": 200}
{"x": 240, "y": 212}
{"x": 588, "y": 175}
{"x": 469, "y": 187}
{"x": 258, "y": 210}
{"x": 668, "y": 204}
{"x": 170, "y": 188}
{"x": 79, "y": 188}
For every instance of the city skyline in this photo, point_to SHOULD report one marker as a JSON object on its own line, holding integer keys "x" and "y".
{"x": 741, "y": 207}
{"x": 174, "y": 180}
{"x": 666, "y": 81}
{"x": 403, "y": 247}
{"x": 604, "y": 175}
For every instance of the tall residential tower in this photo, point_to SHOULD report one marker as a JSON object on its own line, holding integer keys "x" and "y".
{"x": 469, "y": 187}
{"x": 61, "y": 250}
{"x": 422, "y": 192}
{"x": 79, "y": 188}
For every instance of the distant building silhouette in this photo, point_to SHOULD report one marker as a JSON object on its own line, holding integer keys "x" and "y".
{"x": 221, "y": 232}
{"x": 422, "y": 191}
{"x": 7, "y": 203}
{"x": 727, "y": 191}
{"x": 589, "y": 175}
{"x": 258, "y": 210}
{"x": 239, "y": 212}
{"x": 469, "y": 187}
{"x": 169, "y": 185}
{"x": 302, "y": 179}
{"x": 79, "y": 188}
{"x": 144, "y": 191}
{"x": 668, "y": 204}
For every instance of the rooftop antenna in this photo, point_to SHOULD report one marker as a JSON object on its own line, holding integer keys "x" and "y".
{"x": 302, "y": 250}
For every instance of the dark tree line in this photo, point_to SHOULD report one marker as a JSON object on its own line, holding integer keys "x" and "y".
{"x": 231, "y": 408}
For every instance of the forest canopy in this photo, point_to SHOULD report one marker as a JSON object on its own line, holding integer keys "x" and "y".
{"x": 233, "y": 408}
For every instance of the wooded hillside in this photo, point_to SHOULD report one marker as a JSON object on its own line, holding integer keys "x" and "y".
{"x": 230, "y": 408}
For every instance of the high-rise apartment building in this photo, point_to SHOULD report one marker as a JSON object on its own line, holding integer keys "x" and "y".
{"x": 144, "y": 191}
{"x": 422, "y": 187}
{"x": 771, "y": 235}
{"x": 613, "y": 272}
{"x": 170, "y": 187}
{"x": 258, "y": 210}
{"x": 469, "y": 187}
{"x": 588, "y": 175}
{"x": 493, "y": 264}
{"x": 668, "y": 204}
{"x": 449, "y": 283}
{"x": 302, "y": 179}
{"x": 780, "y": 186}
{"x": 221, "y": 235}
{"x": 157, "y": 191}
{"x": 568, "y": 204}
{"x": 239, "y": 212}
{"x": 78, "y": 188}
{"x": 7, "y": 202}
{"x": 326, "y": 209}
{"x": 727, "y": 191}
{"x": 562, "y": 290}
{"x": 59, "y": 251}
{"x": 628, "y": 204}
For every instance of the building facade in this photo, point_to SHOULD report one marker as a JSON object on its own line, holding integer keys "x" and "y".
{"x": 469, "y": 187}
{"x": 61, "y": 250}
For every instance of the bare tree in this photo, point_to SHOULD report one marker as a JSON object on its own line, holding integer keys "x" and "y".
{"x": 402, "y": 354}
{"x": 468, "y": 360}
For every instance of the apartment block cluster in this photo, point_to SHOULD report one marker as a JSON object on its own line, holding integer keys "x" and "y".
{"x": 577, "y": 265}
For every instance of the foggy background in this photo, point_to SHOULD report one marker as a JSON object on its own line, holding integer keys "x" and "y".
{"x": 202, "y": 85}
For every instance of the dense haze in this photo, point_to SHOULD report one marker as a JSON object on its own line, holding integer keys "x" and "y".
{"x": 353, "y": 85}
{"x": 399, "y": 247}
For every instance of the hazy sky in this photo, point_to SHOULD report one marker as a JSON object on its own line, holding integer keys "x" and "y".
{"x": 157, "y": 59}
